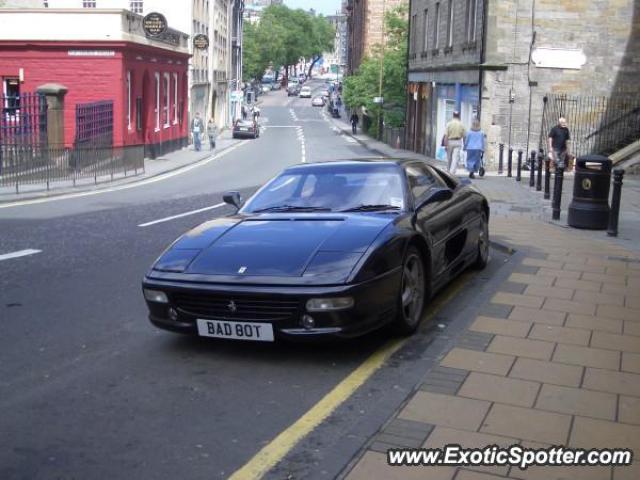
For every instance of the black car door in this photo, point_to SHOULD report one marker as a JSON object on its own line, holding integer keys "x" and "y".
{"x": 432, "y": 219}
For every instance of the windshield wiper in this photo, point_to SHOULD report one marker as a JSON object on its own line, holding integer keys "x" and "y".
{"x": 292, "y": 208}
{"x": 371, "y": 208}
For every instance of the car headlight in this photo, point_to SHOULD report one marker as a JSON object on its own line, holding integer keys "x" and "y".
{"x": 329, "y": 304}
{"x": 155, "y": 296}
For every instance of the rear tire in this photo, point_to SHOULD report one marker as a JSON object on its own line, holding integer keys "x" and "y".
{"x": 482, "y": 258}
{"x": 412, "y": 295}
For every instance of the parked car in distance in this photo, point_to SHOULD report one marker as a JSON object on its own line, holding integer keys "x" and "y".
{"x": 246, "y": 129}
{"x": 293, "y": 90}
{"x": 325, "y": 93}
{"x": 305, "y": 92}
{"x": 317, "y": 102}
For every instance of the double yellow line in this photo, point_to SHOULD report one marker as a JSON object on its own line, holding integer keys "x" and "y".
{"x": 271, "y": 454}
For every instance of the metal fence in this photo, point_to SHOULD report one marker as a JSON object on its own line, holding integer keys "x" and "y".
{"x": 597, "y": 124}
{"x": 24, "y": 120}
{"x": 29, "y": 166}
{"x": 394, "y": 136}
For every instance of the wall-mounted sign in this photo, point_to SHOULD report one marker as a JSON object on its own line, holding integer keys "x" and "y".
{"x": 154, "y": 24}
{"x": 91, "y": 53}
{"x": 567, "y": 58}
{"x": 201, "y": 41}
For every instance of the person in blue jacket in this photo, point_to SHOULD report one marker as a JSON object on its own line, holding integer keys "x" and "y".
{"x": 474, "y": 145}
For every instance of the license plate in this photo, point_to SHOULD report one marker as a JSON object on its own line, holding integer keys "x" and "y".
{"x": 257, "y": 332}
{"x": 244, "y": 129}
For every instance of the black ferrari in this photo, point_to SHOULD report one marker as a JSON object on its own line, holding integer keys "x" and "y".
{"x": 322, "y": 250}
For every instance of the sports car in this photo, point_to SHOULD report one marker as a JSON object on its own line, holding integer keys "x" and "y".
{"x": 332, "y": 249}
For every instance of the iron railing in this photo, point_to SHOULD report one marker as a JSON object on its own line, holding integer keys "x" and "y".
{"x": 599, "y": 125}
{"x": 30, "y": 166}
{"x": 24, "y": 120}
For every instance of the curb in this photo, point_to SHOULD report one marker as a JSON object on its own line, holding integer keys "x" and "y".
{"x": 107, "y": 184}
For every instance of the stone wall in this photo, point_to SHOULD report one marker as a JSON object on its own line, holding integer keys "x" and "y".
{"x": 607, "y": 32}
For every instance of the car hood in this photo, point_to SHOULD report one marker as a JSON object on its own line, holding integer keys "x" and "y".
{"x": 276, "y": 245}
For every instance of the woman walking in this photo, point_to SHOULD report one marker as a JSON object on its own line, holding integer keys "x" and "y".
{"x": 212, "y": 132}
{"x": 474, "y": 144}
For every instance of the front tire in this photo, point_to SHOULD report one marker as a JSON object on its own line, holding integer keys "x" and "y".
{"x": 482, "y": 258}
{"x": 411, "y": 298}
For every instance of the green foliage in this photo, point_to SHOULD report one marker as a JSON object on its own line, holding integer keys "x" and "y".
{"x": 282, "y": 37}
{"x": 361, "y": 87}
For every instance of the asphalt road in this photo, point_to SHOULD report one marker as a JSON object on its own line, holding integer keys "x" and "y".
{"x": 90, "y": 390}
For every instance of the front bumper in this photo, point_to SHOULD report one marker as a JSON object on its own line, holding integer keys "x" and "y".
{"x": 237, "y": 134}
{"x": 375, "y": 306}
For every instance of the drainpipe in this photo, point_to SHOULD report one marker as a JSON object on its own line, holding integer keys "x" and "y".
{"x": 407, "y": 138}
{"x": 483, "y": 41}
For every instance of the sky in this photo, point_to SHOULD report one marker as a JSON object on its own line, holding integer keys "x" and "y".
{"x": 326, "y": 7}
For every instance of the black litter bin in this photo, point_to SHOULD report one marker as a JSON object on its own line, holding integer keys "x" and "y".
{"x": 590, "y": 205}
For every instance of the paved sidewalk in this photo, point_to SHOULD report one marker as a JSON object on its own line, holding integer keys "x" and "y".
{"x": 152, "y": 168}
{"x": 552, "y": 358}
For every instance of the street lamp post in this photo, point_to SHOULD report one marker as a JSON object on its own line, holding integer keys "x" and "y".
{"x": 381, "y": 76}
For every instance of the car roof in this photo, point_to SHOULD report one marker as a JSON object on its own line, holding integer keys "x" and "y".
{"x": 368, "y": 161}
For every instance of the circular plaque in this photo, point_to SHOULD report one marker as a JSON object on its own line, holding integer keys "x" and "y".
{"x": 154, "y": 24}
{"x": 201, "y": 41}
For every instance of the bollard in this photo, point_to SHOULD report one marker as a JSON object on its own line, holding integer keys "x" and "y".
{"x": 612, "y": 230}
{"x": 532, "y": 169}
{"x": 547, "y": 178}
{"x": 519, "y": 168}
{"x": 501, "y": 159}
{"x": 557, "y": 192}
{"x": 539, "y": 179}
{"x": 510, "y": 162}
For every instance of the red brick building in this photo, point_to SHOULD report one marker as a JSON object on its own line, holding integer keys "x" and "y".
{"x": 101, "y": 56}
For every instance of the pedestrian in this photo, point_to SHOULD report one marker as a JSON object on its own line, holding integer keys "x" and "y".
{"x": 255, "y": 112}
{"x": 339, "y": 102}
{"x": 197, "y": 128}
{"x": 354, "y": 122}
{"x": 212, "y": 132}
{"x": 474, "y": 145}
{"x": 244, "y": 112}
{"x": 558, "y": 140}
{"x": 455, "y": 133}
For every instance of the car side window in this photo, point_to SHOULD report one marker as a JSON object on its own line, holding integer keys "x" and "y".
{"x": 421, "y": 180}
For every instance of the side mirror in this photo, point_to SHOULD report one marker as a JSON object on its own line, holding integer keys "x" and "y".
{"x": 439, "y": 195}
{"x": 232, "y": 198}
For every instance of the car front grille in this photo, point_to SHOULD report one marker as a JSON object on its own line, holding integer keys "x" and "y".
{"x": 235, "y": 307}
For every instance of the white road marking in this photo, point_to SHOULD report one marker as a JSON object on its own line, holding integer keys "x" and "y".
{"x": 141, "y": 183}
{"x": 186, "y": 214}
{"x": 18, "y": 254}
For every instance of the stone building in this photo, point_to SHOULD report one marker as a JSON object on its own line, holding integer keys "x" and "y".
{"x": 365, "y": 22}
{"x": 500, "y": 60}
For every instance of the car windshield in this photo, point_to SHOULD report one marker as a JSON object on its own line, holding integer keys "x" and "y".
{"x": 244, "y": 123}
{"x": 354, "y": 189}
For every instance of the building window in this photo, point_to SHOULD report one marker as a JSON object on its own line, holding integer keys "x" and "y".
{"x": 167, "y": 100}
{"x": 157, "y": 109}
{"x": 436, "y": 29}
{"x": 472, "y": 18}
{"x": 136, "y": 6}
{"x": 425, "y": 37}
{"x": 129, "y": 99}
{"x": 175, "y": 98}
{"x": 89, "y": 3}
{"x": 414, "y": 26}
{"x": 450, "y": 24}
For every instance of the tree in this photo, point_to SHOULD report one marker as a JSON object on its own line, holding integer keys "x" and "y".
{"x": 284, "y": 36}
{"x": 321, "y": 40}
{"x": 361, "y": 87}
